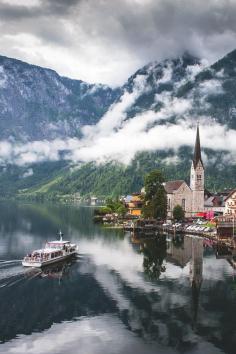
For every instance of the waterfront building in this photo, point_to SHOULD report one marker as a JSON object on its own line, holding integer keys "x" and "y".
{"x": 178, "y": 193}
{"x": 93, "y": 200}
{"x": 230, "y": 204}
{"x": 134, "y": 204}
{"x": 191, "y": 198}
{"x": 215, "y": 203}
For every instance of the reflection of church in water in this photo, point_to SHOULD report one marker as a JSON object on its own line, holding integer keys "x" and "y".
{"x": 196, "y": 268}
{"x": 191, "y": 250}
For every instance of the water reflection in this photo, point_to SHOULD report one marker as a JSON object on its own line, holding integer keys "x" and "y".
{"x": 58, "y": 270}
{"x": 163, "y": 295}
{"x": 154, "y": 254}
{"x": 178, "y": 250}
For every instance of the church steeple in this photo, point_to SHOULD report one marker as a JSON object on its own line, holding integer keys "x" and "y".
{"x": 197, "y": 177}
{"x": 197, "y": 150}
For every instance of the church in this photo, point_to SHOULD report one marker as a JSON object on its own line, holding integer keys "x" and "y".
{"x": 191, "y": 198}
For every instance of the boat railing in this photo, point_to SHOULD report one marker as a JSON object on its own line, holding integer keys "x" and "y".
{"x": 35, "y": 258}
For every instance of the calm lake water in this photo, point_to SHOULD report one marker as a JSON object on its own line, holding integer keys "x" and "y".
{"x": 120, "y": 296}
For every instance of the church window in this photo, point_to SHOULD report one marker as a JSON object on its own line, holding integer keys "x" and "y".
{"x": 183, "y": 204}
{"x": 199, "y": 177}
{"x": 169, "y": 203}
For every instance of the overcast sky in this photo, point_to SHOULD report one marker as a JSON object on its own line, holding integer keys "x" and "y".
{"x": 107, "y": 40}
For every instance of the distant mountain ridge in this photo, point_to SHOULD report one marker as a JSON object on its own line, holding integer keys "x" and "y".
{"x": 211, "y": 89}
{"x": 38, "y": 104}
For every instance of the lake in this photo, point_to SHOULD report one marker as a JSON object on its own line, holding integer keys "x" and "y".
{"x": 121, "y": 295}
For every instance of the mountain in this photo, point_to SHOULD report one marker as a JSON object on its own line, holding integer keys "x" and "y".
{"x": 37, "y": 103}
{"x": 114, "y": 179}
{"x": 213, "y": 91}
{"x": 210, "y": 90}
{"x": 161, "y": 79}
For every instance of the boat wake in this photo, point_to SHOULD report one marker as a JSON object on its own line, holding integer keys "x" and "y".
{"x": 12, "y": 272}
{"x": 4, "y": 263}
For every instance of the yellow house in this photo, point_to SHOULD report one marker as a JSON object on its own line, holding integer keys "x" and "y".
{"x": 135, "y": 205}
{"x": 135, "y": 212}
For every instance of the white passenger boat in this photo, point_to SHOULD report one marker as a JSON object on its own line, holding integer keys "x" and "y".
{"x": 54, "y": 251}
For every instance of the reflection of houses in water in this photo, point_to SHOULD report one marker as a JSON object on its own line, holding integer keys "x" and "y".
{"x": 190, "y": 249}
{"x": 223, "y": 251}
{"x": 179, "y": 253}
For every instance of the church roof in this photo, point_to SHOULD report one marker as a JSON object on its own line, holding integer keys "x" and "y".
{"x": 172, "y": 186}
{"x": 197, "y": 150}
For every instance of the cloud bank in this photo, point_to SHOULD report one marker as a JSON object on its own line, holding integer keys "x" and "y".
{"x": 120, "y": 146}
{"x": 106, "y": 41}
{"x": 118, "y": 137}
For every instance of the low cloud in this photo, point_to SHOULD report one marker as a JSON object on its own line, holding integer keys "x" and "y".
{"x": 28, "y": 173}
{"x": 117, "y": 137}
{"x": 211, "y": 87}
{"x": 121, "y": 145}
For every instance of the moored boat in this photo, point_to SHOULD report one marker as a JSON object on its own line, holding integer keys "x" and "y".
{"x": 54, "y": 251}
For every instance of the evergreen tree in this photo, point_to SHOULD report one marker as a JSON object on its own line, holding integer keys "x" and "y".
{"x": 155, "y": 201}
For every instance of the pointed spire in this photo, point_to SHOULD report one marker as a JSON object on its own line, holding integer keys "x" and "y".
{"x": 197, "y": 150}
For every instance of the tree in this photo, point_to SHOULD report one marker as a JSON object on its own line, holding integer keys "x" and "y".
{"x": 155, "y": 201}
{"x": 178, "y": 213}
{"x": 121, "y": 210}
{"x": 116, "y": 206}
{"x": 102, "y": 210}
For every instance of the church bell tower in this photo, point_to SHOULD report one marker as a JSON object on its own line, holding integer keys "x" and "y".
{"x": 197, "y": 177}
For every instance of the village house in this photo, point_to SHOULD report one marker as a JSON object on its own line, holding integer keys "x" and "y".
{"x": 216, "y": 202}
{"x": 230, "y": 204}
{"x": 134, "y": 204}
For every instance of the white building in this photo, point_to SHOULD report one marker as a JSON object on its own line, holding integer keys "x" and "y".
{"x": 230, "y": 204}
{"x": 191, "y": 198}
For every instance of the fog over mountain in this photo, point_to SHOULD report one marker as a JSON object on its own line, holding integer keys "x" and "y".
{"x": 48, "y": 117}
{"x": 127, "y": 84}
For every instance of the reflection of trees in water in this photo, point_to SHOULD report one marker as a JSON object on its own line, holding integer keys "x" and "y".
{"x": 154, "y": 253}
{"x": 178, "y": 241}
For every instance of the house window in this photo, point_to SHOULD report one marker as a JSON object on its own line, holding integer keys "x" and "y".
{"x": 183, "y": 204}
